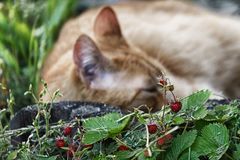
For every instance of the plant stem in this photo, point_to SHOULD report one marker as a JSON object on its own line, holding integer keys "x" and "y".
{"x": 228, "y": 156}
{"x": 174, "y": 97}
{"x": 147, "y": 143}
{"x": 164, "y": 105}
{"x": 126, "y": 116}
{"x": 189, "y": 153}
{"x": 47, "y": 116}
{"x": 185, "y": 128}
{"x": 26, "y": 129}
{"x": 36, "y": 125}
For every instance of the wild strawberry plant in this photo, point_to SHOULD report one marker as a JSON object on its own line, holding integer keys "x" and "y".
{"x": 187, "y": 128}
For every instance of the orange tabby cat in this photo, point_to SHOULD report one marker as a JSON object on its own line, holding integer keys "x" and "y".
{"x": 114, "y": 54}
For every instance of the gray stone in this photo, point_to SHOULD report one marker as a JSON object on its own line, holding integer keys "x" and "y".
{"x": 65, "y": 111}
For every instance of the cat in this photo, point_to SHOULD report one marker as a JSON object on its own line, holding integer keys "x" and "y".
{"x": 114, "y": 54}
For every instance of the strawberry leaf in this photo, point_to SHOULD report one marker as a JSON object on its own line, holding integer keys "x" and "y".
{"x": 189, "y": 156}
{"x": 178, "y": 120}
{"x": 99, "y": 128}
{"x": 213, "y": 142}
{"x": 200, "y": 113}
{"x": 180, "y": 144}
{"x": 195, "y": 100}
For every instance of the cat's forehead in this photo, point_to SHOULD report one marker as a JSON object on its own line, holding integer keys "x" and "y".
{"x": 130, "y": 58}
{"x": 137, "y": 64}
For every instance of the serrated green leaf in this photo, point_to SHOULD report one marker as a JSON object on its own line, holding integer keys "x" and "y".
{"x": 195, "y": 100}
{"x": 168, "y": 118}
{"x": 189, "y": 156}
{"x": 92, "y": 136}
{"x": 99, "y": 128}
{"x": 178, "y": 120}
{"x": 180, "y": 143}
{"x": 213, "y": 142}
{"x": 135, "y": 139}
{"x": 222, "y": 113}
{"x": 200, "y": 113}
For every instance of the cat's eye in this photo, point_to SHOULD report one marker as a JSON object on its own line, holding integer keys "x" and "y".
{"x": 151, "y": 89}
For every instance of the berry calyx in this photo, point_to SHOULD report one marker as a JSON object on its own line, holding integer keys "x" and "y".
{"x": 171, "y": 88}
{"x": 152, "y": 128}
{"x": 60, "y": 142}
{"x": 160, "y": 141}
{"x": 67, "y": 131}
{"x": 176, "y": 106}
{"x": 123, "y": 148}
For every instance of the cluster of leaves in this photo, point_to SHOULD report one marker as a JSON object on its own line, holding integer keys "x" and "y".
{"x": 201, "y": 132}
{"x": 28, "y": 31}
{"x": 197, "y": 132}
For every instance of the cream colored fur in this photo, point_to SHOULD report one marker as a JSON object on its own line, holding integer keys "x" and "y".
{"x": 195, "y": 48}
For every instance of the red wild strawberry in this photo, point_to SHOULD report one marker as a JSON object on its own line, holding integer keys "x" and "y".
{"x": 123, "y": 148}
{"x": 176, "y": 106}
{"x": 67, "y": 130}
{"x": 60, "y": 142}
{"x": 160, "y": 141}
{"x": 168, "y": 136}
{"x": 152, "y": 128}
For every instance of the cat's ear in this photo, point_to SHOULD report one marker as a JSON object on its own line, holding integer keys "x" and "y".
{"x": 106, "y": 24}
{"x": 91, "y": 64}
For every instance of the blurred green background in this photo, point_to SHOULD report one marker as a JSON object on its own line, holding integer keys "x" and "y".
{"x": 27, "y": 32}
{"x": 28, "y": 29}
